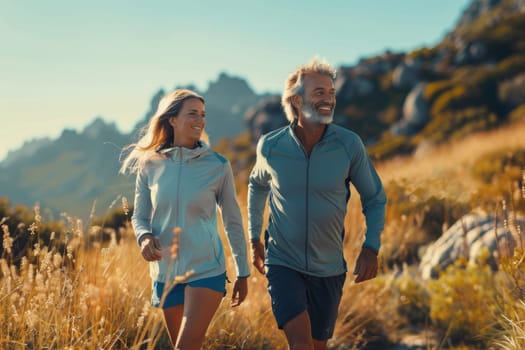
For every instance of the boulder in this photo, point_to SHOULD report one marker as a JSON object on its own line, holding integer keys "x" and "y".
{"x": 349, "y": 89}
{"x": 415, "y": 112}
{"x": 511, "y": 92}
{"x": 468, "y": 238}
{"x": 405, "y": 75}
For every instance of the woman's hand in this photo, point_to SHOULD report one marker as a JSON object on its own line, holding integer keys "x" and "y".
{"x": 150, "y": 248}
{"x": 240, "y": 290}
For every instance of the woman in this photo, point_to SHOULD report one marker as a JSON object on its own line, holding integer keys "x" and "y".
{"x": 180, "y": 181}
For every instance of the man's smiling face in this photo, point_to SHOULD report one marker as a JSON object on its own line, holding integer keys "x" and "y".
{"x": 318, "y": 98}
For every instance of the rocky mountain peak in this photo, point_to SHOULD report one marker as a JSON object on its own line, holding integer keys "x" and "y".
{"x": 98, "y": 128}
{"x": 28, "y": 149}
{"x": 227, "y": 89}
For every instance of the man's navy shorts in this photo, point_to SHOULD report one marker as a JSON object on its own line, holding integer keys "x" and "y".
{"x": 293, "y": 292}
{"x": 176, "y": 294}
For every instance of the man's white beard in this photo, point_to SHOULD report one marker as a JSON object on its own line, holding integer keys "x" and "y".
{"x": 315, "y": 117}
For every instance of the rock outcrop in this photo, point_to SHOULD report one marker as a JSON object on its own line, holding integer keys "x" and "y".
{"x": 468, "y": 238}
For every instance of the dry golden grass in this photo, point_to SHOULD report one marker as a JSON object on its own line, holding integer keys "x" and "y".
{"x": 98, "y": 297}
{"x": 449, "y": 162}
{"x": 77, "y": 299}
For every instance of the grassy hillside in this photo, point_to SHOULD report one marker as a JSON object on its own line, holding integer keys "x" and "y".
{"x": 75, "y": 289}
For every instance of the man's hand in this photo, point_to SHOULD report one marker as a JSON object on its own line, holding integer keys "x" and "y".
{"x": 150, "y": 248}
{"x": 258, "y": 256}
{"x": 240, "y": 290}
{"x": 366, "y": 265}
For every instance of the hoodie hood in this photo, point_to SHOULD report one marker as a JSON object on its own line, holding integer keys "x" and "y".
{"x": 183, "y": 154}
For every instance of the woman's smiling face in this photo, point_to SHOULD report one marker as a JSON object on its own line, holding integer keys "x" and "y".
{"x": 189, "y": 124}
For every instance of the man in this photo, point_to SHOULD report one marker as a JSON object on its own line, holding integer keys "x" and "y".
{"x": 307, "y": 167}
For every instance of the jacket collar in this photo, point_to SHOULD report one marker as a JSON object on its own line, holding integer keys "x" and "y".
{"x": 183, "y": 154}
{"x": 327, "y": 132}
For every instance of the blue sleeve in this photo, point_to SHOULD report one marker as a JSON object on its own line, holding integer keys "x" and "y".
{"x": 258, "y": 189}
{"x": 141, "y": 219}
{"x": 364, "y": 177}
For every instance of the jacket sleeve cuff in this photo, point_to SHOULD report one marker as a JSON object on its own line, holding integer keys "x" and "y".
{"x": 141, "y": 236}
{"x": 373, "y": 249}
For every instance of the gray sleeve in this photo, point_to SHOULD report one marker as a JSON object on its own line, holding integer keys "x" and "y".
{"x": 232, "y": 220}
{"x": 141, "y": 219}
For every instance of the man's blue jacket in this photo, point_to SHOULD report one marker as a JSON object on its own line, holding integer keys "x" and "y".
{"x": 308, "y": 198}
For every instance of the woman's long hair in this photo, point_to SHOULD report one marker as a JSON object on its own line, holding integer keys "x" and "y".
{"x": 158, "y": 133}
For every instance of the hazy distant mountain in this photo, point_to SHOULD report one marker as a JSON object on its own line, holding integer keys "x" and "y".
{"x": 71, "y": 172}
{"x": 79, "y": 170}
{"x": 473, "y": 80}
{"x": 227, "y": 101}
{"x": 27, "y": 150}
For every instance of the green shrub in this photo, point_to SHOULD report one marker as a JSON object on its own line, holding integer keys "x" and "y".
{"x": 414, "y": 300}
{"x": 390, "y": 115}
{"x": 463, "y": 301}
{"x": 503, "y": 176}
{"x": 425, "y": 200}
{"x": 26, "y": 228}
{"x": 416, "y": 215}
{"x": 456, "y": 98}
{"x": 391, "y": 145}
{"x": 424, "y": 53}
{"x": 434, "y": 89}
{"x": 510, "y": 328}
{"x": 454, "y": 125}
{"x": 509, "y": 67}
{"x": 503, "y": 38}
{"x": 482, "y": 77}
{"x": 506, "y": 163}
{"x": 517, "y": 114}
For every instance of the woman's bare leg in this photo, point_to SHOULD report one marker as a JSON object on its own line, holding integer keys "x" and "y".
{"x": 200, "y": 305}
{"x": 173, "y": 319}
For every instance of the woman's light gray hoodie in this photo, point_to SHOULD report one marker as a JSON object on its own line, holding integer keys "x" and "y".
{"x": 183, "y": 187}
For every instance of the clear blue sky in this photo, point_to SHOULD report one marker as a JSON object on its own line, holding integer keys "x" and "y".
{"x": 63, "y": 62}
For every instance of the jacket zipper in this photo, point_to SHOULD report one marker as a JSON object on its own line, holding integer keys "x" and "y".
{"x": 307, "y": 230}
{"x": 177, "y": 199}
{"x": 307, "y": 203}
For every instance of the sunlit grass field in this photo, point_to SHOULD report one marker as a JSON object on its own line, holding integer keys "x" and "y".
{"x": 80, "y": 291}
